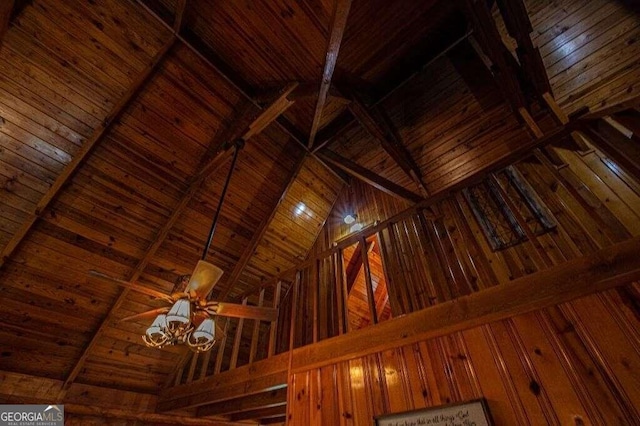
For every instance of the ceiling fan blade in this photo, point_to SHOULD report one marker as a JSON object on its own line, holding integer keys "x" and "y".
{"x": 243, "y": 311}
{"x": 146, "y": 315}
{"x": 132, "y": 286}
{"x": 204, "y": 277}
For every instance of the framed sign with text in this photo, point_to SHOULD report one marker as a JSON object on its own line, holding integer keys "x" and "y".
{"x": 469, "y": 413}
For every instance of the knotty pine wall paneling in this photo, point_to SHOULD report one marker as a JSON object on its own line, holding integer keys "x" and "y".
{"x": 577, "y": 363}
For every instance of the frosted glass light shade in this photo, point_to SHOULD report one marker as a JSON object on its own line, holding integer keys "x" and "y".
{"x": 155, "y": 335}
{"x": 179, "y": 316}
{"x": 205, "y": 331}
{"x": 203, "y": 338}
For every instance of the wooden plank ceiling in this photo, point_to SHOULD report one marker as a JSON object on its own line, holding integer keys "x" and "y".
{"x": 114, "y": 119}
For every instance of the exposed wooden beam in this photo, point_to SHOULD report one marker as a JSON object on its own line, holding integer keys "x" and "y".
{"x": 275, "y": 398}
{"x": 516, "y": 19}
{"x": 608, "y": 268}
{"x": 207, "y": 166}
{"x": 615, "y": 145}
{"x": 379, "y": 126}
{"x": 630, "y": 102}
{"x": 484, "y": 29}
{"x": 272, "y": 112}
{"x": 368, "y": 176}
{"x": 338, "y": 25}
{"x": 556, "y": 110}
{"x": 87, "y": 148}
{"x": 248, "y": 252}
{"x": 6, "y": 9}
{"x": 341, "y": 123}
{"x": 530, "y": 123}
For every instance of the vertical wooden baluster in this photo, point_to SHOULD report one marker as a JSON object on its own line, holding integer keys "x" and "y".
{"x": 205, "y": 365}
{"x": 221, "y": 347}
{"x": 292, "y": 332}
{"x": 192, "y": 367}
{"x": 368, "y": 282}
{"x": 341, "y": 292}
{"x": 236, "y": 341}
{"x": 294, "y": 309}
{"x": 178, "y": 378}
{"x": 314, "y": 281}
{"x": 390, "y": 274}
{"x": 256, "y": 331}
{"x": 274, "y": 324}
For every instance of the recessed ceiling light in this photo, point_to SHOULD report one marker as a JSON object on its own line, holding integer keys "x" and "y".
{"x": 349, "y": 219}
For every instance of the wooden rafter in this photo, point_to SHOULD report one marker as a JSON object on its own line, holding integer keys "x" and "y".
{"x": 341, "y": 123}
{"x": 87, "y": 148}
{"x": 516, "y": 19}
{"x": 368, "y": 176}
{"x": 6, "y": 8}
{"x": 207, "y": 166}
{"x": 248, "y": 252}
{"x": 379, "y": 126}
{"x": 338, "y": 25}
{"x": 485, "y": 30}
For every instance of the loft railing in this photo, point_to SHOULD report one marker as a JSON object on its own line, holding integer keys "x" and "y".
{"x": 313, "y": 299}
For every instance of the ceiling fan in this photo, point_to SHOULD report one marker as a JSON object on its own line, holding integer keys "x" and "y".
{"x": 190, "y": 318}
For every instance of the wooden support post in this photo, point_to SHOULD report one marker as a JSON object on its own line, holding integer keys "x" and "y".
{"x": 273, "y": 329}
{"x": 236, "y": 341}
{"x": 256, "y": 331}
{"x": 368, "y": 281}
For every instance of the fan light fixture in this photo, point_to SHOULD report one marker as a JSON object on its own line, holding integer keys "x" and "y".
{"x": 187, "y": 322}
